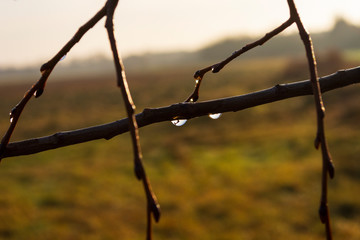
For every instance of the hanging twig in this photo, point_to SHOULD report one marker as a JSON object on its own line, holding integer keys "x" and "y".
{"x": 152, "y": 204}
{"x": 320, "y": 139}
{"x": 38, "y": 88}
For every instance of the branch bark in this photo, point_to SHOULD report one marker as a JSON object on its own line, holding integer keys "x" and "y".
{"x": 46, "y": 69}
{"x": 182, "y": 110}
{"x": 152, "y": 202}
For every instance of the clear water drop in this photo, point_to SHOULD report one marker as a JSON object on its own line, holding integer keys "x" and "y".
{"x": 179, "y": 122}
{"x": 197, "y": 81}
{"x": 11, "y": 119}
{"x": 215, "y": 115}
{"x": 63, "y": 57}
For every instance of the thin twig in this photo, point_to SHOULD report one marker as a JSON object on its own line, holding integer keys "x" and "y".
{"x": 218, "y": 66}
{"x": 320, "y": 139}
{"x": 185, "y": 110}
{"x": 46, "y": 69}
{"x": 152, "y": 203}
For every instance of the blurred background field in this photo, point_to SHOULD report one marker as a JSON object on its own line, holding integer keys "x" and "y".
{"x": 249, "y": 175}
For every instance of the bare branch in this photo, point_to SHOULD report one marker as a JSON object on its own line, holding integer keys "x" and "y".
{"x": 184, "y": 110}
{"x": 320, "y": 139}
{"x": 218, "y": 66}
{"x": 46, "y": 69}
{"x": 152, "y": 203}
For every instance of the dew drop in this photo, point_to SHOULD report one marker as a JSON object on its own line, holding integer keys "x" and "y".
{"x": 197, "y": 81}
{"x": 179, "y": 122}
{"x": 38, "y": 92}
{"x": 11, "y": 115}
{"x": 63, "y": 57}
{"x": 215, "y": 115}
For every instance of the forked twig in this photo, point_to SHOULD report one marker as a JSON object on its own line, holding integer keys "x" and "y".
{"x": 38, "y": 88}
{"x": 320, "y": 140}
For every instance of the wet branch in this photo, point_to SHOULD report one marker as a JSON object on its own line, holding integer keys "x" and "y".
{"x": 38, "y": 88}
{"x": 218, "y": 66}
{"x": 320, "y": 140}
{"x": 185, "y": 110}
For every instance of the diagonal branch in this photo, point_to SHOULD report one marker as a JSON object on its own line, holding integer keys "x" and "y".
{"x": 185, "y": 110}
{"x": 218, "y": 66}
{"x": 46, "y": 69}
{"x": 320, "y": 139}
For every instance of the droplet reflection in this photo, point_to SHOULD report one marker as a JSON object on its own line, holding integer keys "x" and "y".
{"x": 215, "y": 115}
{"x": 63, "y": 57}
{"x": 179, "y": 122}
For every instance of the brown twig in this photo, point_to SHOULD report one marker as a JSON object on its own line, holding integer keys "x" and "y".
{"x": 152, "y": 203}
{"x": 320, "y": 139}
{"x": 46, "y": 69}
{"x": 185, "y": 110}
{"x": 218, "y": 66}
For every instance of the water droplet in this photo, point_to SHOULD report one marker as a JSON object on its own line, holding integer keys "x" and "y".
{"x": 197, "y": 81}
{"x": 63, "y": 57}
{"x": 38, "y": 92}
{"x": 11, "y": 114}
{"x": 215, "y": 115}
{"x": 179, "y": 122}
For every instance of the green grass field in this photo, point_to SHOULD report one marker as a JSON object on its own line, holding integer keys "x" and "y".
{"x": 249, "y": 175}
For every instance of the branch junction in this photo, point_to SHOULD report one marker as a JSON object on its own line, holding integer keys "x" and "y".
{"x": 182, "y": 110}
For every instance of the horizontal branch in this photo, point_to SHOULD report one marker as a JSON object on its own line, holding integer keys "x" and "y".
{"x": 182, "y": 111}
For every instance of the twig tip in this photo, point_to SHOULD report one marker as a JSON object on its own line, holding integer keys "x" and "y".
{"x": 155, "y": 209}
{"x": 331, "y": 170}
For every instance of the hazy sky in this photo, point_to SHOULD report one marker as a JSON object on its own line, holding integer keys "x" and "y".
{"x": 33, "y": 31}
